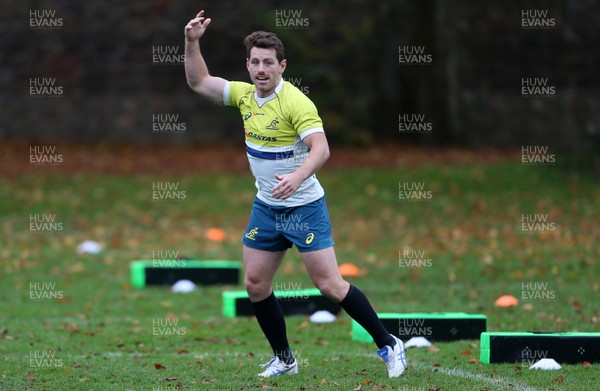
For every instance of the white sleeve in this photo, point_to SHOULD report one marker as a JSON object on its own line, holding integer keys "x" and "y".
{"x": 310, "y": 131}
{"x": 226, "y": 94}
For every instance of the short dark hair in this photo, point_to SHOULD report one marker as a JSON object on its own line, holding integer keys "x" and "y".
{"x": 265, "y": 40}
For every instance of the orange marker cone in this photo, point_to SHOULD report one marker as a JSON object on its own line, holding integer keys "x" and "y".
{"x": 506, "y": 301}
{"x": 215, "y": 235}
{"x": 350, "y": 270}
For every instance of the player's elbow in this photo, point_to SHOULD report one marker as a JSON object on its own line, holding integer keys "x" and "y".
{"x": 324, "y": 147}
{"x": 326, "y": 153}
{"x": 321, "y": 148}
{"x": 200, "y": 88}
{"x": 194, "y": 83}
{"x": 197, "y": 81}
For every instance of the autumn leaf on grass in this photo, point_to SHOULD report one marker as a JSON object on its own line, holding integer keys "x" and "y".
{"x": 182, "y": 351}
{"x": 159, "y": 366}
{"x": 434, "y": 388}
{"x": 587, "y": 364}
{"x": 323, "y": 343}
{"x": 359, "y": 388}
{"x": 472, "y": 360}
{"x": 466, "y": 352}
{"x": 559, "y": 379}
{"x": 184, "y": 315}
{"x": 70, "y": 327}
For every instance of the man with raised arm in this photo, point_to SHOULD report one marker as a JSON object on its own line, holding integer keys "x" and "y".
{"x": 285, "y": 145}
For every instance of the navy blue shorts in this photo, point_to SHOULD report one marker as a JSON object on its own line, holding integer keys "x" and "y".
{"x": 277, "y": 228}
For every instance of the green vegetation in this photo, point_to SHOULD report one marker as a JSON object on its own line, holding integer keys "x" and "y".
{"x": 102, "y": 331}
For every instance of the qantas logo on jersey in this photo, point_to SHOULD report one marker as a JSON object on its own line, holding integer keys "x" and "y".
{"x": 259, "y": 137}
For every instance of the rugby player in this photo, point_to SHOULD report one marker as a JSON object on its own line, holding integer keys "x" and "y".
{"x": 285, "y": 145}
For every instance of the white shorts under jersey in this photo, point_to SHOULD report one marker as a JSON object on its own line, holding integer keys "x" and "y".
{"x": 275, "y": 127}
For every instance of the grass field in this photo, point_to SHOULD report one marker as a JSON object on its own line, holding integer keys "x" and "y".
{"x": 97, "y": 332}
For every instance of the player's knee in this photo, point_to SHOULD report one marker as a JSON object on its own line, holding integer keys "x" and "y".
{"x": 331, "y": 289}
{"x": 257, "y": 289}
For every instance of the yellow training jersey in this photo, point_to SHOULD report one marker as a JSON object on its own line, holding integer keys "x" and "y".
{"x": 274, "y": 128}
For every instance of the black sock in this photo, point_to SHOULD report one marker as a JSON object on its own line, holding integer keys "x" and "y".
{"x": 358, "y": 307}
{"x": 270, "y": 318}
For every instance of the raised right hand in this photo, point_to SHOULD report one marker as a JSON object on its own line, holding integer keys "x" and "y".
{"x": 196, "y": 27}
